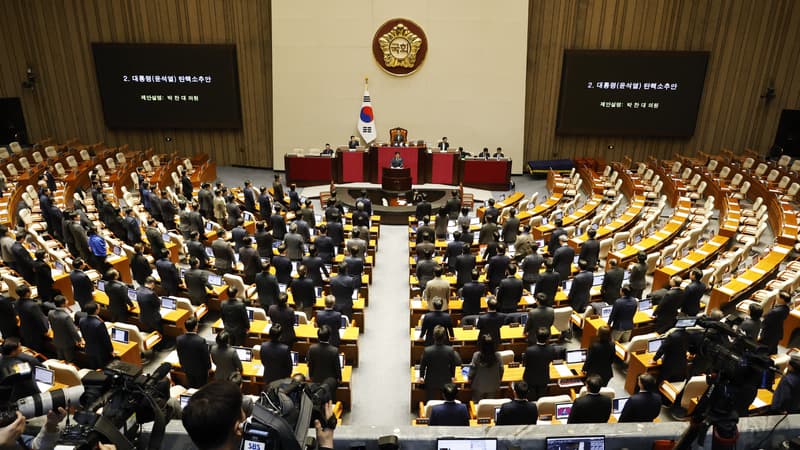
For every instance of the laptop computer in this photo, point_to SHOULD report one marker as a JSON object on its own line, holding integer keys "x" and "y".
{"x": 214, "y": 280}
{"x": 637, "y": 239}
{"x": 250, "y": 313}
{"x": 117, "y": 250}
{"x": 282, "y": 287}
{"x": 563, "y": 410}
{"x": 645, "y": 305}
{"x": 165, "y": 237}
{"x": 685, "y": 322}
{"x": 576, "y": 356}
{"x": 668, "y": 260}
{"x": 44, "y": 378}
{"x": 209, "y": 226}
{"x": 576, "y": 442}
{"x": 618, "y": 404}
{"x": 598, "y": 279}
{"x": 209, "y": 252}
{"x": 341, "y": 360}
{"x": 605, "y": 312}
{"x": 132, "y": 294}
{"x": 169, "y": 303}
{"x": 119, "y": 335}
{"x": 184, "y": 399}
{"x": 245, "y": 354}
{"x": 101, "y": 285}
{"x": 621, "y": 245}
{"x": 59, "y": 268}
{"x": 654, "y": 344}
{"x": 567, "y": 285}
{"x": 295, "y": 358}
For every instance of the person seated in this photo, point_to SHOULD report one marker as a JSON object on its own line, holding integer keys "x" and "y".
{"x": 518, "y": 411}
{"x": 353, "y": 143}
{"x": 449, "y": 413}
{"x": 592, "y": 407}
{"x": 327, "y": 151}
{"x": 499, "y": 153}
{"x": 645, "y": 405}
{"x": 485, "y": 153}
{"x": 397, "y": 161}
{"x": 443, "y": 145}
{"x": 399, "y": 140}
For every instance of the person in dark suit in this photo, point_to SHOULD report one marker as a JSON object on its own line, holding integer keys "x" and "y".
{"x": 433, "y": 319}
{"x": 197, "y": 250}
{"x": 463, "y": 265}
{"x": 205, "y": 200}
{"x": 751, "y": 326}
{"x": 294, "y": 243}
{"x": 693, "y": 293}
{"x": 33, "y": 323}
{"x": 548, "y": 282}
{"x": 580, "y": 292}
{"x": 471, "y": 294}
{"x": 277, "y": 190}
{"x": 8, "y": 317}
{"x": 336, "y": 233}
{"x": 455, "y": 248}
{"x": 238, "y": 233}
{"x": 491, "y": 213}
{"x": 498, "y": 267}
{"x": 194, "y": 355}
{"x": 283, "y": 314}
{"x": 315, "y": 265}
{"x": 353, "y": 143}
{"x": 621, "y": 318}
{"x": 511, "y": 227}
{"x": 65, "y": 333}
{"x": 233, "y": 211}
{"x": 119, "y": 304}
{"x": 44, "y": 276}
{"x": 263, "y": 240}
{"x": 249, "y": 258}
{"x": 225, "y": 357}
{"x": 277, "y": 224}
{"x": 323, "y": 245}
{"x": 168, "y": 211}
{"x": 196, "y": 280}
{"x": 12, "y": 356}
{"x": 342, "y": 288}
{"x": 355, "y": 266}
{"x": 645, "y": 405}
{"x": 275, "y": 356}
{"x": 294, "y": 198}
{"x": 267, "y": 287}
{"x": 149, "y": 306}
{"x": 772, "y": 326}
{"x": 638, "y": 272}
{"x": 438, "y": 364}
{"x": 518, "y": 411}
{"x": 186, "y": 185}
{"x": 443, "y": 144}
{"x": 787, "y": 395}
{"x": 426, "y": 267}
{"x": 555, "y": 237}
{"x": 140, "y": 266}
{"x": 82, "y": 286}
{"x": 98, "y": 342}
{"x": 491, "y": 322}
{"x": 23, "y": 260}
{"x": 592, "y": 407}
{"x": 612, "y": 282}
{"x": 331, "y": 318}
{"x": 154, "y": 238}
{"x": 223, "y": 256}
{"x": 531, "y": 266}
{"x": 249, "y": 197}
{"x": 323, "y": 360}
{"x": 509, "y": 292}
{"x": 600, "y": 355}
{"x": 563, "y": 257}
{"x": 449, "y": 413}
{"x": 397, "y": 161}
{"x": 537, "y": 359}
{"x": 489, "y": 230}
{"x": 673, "y": 350}
{"x": 423, "y": 207}
{"x": 453, "y": 205}
{"x": 264, "y": 204}
{"x": 168, "y": 273}
{"x": 303, "y": 292}
{"x": 541, "y": 315}
{"x": 234, "y": 318}
{"x": 424, "y": 229}
{"x": 667, "y": 310}
{"x": 590, "y": 250}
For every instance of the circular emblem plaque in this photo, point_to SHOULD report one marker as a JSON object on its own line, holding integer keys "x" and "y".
{"x": 399, "y": 47}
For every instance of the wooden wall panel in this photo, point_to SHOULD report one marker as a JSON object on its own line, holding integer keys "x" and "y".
{"x": 753, "y": 45}
{"x": 54, "y": 37}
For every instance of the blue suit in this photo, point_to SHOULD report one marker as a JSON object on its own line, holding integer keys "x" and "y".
{"x": 449, "y": 414}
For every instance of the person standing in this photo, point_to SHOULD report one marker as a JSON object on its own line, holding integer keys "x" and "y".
{"x": 486, "y": 369}
{"x": 65, "y": 333}
{"x": 193, "y": 354}
{"x": 518, "y": 411}
{"x": 621, "y": 318}
{"x": 600, "y": 355}
{"x": 438, "y": 364}
{"x": 772, "y": 327}
{"x": 98, "y": 342}
{"x": 638, "y": 271}
{"x": 693, "y": 293}
{"x": 234, "y": 319}
{"x": 537, "y": 359}
{"x": 275, "y": 356}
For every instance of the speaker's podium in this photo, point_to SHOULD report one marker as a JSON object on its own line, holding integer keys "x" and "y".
{"x": 396, "y": 179}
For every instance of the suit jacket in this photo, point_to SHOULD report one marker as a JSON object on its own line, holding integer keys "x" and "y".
{"x": 278, "y": 226}
{"x": 294, "y": 246}
{"x": 486, "y": 234}
{"x": 430, "y": 320}
{"x": 510, "y": 230}
{"x": 673, "y": 350}
{"x": 44, "y": 279}
{"x": 206, "y": 201}
{"x": 316, "y": 268}
{"x": 132, "y": 230}
{"x": 155, "y": 240}
{"x": 197, "y": 250}
{"x": 599, "y": 358}
{"x": 223, "y": 255}
{"x": 637, "y": 279}
{"x": 497, "y": 269}
{"x": 249, "y": 199}
{"x": 285, "y": 317}
{"x": 169, "y": 275}
{"x": 518, "y": 412}
{"x": 562, "y": 261}
{"x": 438, "y": 366}
{"x": 303, "y": 292}
{"x": 342, "y": 288}
{"x": 149, "y": 307}
{"x": 453, "y": 251}
{"x": 234, "y": 213}
{"x": 691, "y": 298}
{"x": 642, "y": 406}
{"x": 264, "y": 242}
{"x": 667, "y": 310}
{"x": 226, "y": 361}
{"x": 471, "y": 294}
{"x": 590, "y": 252}
{"x": 772, "y": 325}
{"x": 267, "y": 289}
{"x": 65, "y": 333}
{"x": 554, "y": 243}
{"x": 425, "y": 268}
{"x": 591, "y": 408}
{"x": 168, "y": 211}
{"x": 449, "y": 414}
{"x": 509, "y": 293}
{"x": 539, "y": 317}
{"x": 283, "y": 269}
{"x": 437, "y": 287}
{"x": 277, "y": 191}
{"x": 537, "y": 359}
{"x": 355, "y": 268}
{"x": 264, "y": 206}
{"x": 422, "y": 230}
{"x": 294, "y": 200}
{"x": 622, "y": 312}
{"x": 323, "y": 363}
{"x": 118, "y": 301}
{"x": 531, "y": 266}
{"x": 336, "y": 233}
{"x": 612, "y": 283}
{"x": 277, "y": 360}
{"x": 579, "y": 293}
{"x": 98, "y": 342}
{"x": 24, "y": 262}
{"x": 8, "y": 317}
{"x": 490, "y": 323}
{"x": 463, "y": 266}
{"x": 548, "y": 284}
{"x": 325, "y": 250}
{"x": 249, "y": 258}
{"x": 333, "y": 319}
{"x": 234, "y": 317}
{"x": 33, "y": 324}
{"x": 193, "y": 354}
{"x": 237, "y": 235}
{"x": 140, "y": 268}
{"x": 423, "y": 209}
{"x": 196, "y": 284}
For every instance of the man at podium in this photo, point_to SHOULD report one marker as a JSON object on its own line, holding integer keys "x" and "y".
{"x": 397, "y": 161}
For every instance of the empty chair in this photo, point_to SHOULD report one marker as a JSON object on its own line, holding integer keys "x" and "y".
{"x": 712, "y": 165}
{"x": 694, "y": 388}
{"x": 742, "y": 194}
{"x": 135, "y": 180}
{"x": 72, "y": 162}
{"x": 301, "y": 317}
{"x": 652, "y": 259}
{"x": 523, "y": 205}
{"x": 120, "y": 157}
{"x": 12, "y": 282}
{"x": 146, "y": 166}
{"x": 784, "y": 161}
{"x": 605, "y": 247}
{"x": 676, "y": 168}
{"x": 237, "y": 282}
{"x": 259, "y": 314}
{"x": 783, "y": 183}
{"x": 24, "y": 164}
{"x": 772, "y": 176}
{"x": 622, "y": 236}
{"x": 648, "y": 174}
{"x": 561, "y": 318}
{"x": 145, "y": 341}
{"x": 37, "y": 157}
{"x": 4, "y": 153}
{"x": 636, "y": 344}
{"x": 156, "y": 161}
{"x": 748, "y": 163}
{"x": 761, "y": 169}
{"x": 791, "y": 192}
{"x": 486, "y": 407}
{"x": 506, "y": 356}
{"x": 534, "y": 199}
{"x": 735, "y": 181}
{"x": 110, "y": 164}
{"x": 15, "y": 147}
{"x": 51, "y": 152}
{"x": 187, "y": 164}
{"x": 60, "y": 172}
{"x": 795, "y": 165}
{"x": 65, "y": 373}
{"x": 724, "y": 172}
{"x": 687, "y": 172}
{"x": 85, "y": 155}
{"x": 752, "y": 212}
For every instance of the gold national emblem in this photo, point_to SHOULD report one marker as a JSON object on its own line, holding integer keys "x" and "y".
{"x": 399, "y": 47}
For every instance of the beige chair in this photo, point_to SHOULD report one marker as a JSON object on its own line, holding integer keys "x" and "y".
{"x": 694, "y": 388}
{"x": 156, "y": 161}
{"x": 186, "y": 305}
{"x": 791, "y": 192}
{"x": 51, "y": 152}
{"x": 670, "y": 389}
{"x": 534, "y": 199}
{"x": 506, "y": 356}
{"x": 85, "y": 155}
{"x": 761, "y": 169}
{"x": 24, "y": 164}
{"x": 635, "y": 345}
{"x": 259, "y": 313}
{"x": 748, "y": 163}
{"x": 711, "y": 167}
{"x": 724, "y": 172}
{"x": 784, "y": 161}
{"x": 486, "y": 407}
{"x": 742, "y": 194}
{"x": 237, "y": 282}
{"x": 37, "y": 157}
{"x": 15, "y": 147}
{"x": 110, "y": 164}
{"x": 147, "y": 166}
{"x": 547, "y": 405}
{"x": 13, "y": 282}
{"x": 687, "y": 172}
{"x": 4, "y": 153}
{"x": 302, "y": 318}
{"x": 72, "y": 162}
{"x": 622, "y": 236}
{"x": 605, "y": 247}
{"x": 60, "y": 172}
{"x": 11, "y": 171}
{"x": 795, "y": 167}
{"x": 736, "y": 181}
{"x": 120, "y": 158}
{"x": 676, "y": 168}
{"x": 145, "y": 341}
{"x": 604, "y": 391}
{"x": 561, "y": 318}
{"x": 65, "y": 373}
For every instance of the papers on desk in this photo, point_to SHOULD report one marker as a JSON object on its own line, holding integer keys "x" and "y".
{"x": 416, "y": 304}
{"x": 758, "y": 403}
{"x": 172, "y": 358}
{"x": 563, "y": 370}
{"x": 341, "y": 332}
{"x": 417, "y": 333}
{"x": 259, "y": 368}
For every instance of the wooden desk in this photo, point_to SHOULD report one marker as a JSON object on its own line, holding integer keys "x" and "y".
{"x": 750, "y": 279}
{"x": 642, "y": 324}
{"x": 306, "y": 334}
{"x": 511, "y": 200}
{"x": 174, "y": 321}
{"x": 128, "y": 352}
{"x": 655, "y": 240}
{"x": 584, "y": 212}
{"x": 621, "y": 223}
{"x": 492, "y": 174}
{"x": 308, "y": 170}
{"x": 640, "y": 363}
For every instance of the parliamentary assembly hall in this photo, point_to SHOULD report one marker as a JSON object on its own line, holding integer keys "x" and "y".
{"x": 420, "y": 224}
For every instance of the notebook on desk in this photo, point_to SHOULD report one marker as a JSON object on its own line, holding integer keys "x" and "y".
{"x": 245, "y": 354}
{"x": 119, "y": 335}
{"x": 563, "y": 410}
{"x": 654, "y": 344}
{"x": 618, "y": 405}
{"x": 44, "y": 378}
{"x": 574, "y": 357}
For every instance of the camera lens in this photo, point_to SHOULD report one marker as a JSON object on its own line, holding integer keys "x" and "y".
{"x": 40, "y": 404}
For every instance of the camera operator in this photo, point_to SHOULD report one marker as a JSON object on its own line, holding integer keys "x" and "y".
{"x": 11, "y": 435}
{"x": 214, "y": 418}
{"x": 787, "y": 395}
{"x": 13, "y": 355}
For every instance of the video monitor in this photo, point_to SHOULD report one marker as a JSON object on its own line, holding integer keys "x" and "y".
{"x": 576, "y": 442}
{"x": 466, "y": 443}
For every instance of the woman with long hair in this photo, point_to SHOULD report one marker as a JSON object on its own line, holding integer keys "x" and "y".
{"x": 486, "y": 369}
{"x": 600, "y": 355}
